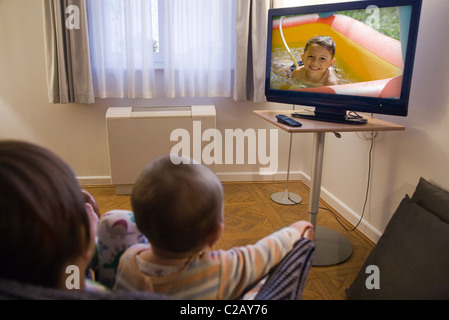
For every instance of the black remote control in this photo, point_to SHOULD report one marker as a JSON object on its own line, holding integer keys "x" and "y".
{"x": 288, "y": 121}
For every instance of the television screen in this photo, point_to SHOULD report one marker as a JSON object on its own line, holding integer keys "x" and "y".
{"x": 351, "y": 56}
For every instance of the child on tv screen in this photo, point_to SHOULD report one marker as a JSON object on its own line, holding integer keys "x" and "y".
{"x": 317, "y": 61}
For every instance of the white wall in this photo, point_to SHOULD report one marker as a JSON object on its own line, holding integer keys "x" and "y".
{"x": 78, "y": 132}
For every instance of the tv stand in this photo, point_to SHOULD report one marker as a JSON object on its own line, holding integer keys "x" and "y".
{"x": 330, "y": 115}
{"x": 331, "y": 246}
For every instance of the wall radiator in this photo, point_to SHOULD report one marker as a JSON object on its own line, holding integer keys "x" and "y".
{"x": 138, "y": 135}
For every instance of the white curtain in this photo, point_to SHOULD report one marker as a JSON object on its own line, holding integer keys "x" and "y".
{"x": 196, "y": 57}
{"x": 67, "y": 52}
{"x": 251, "y": 44}
{"x": 198, "y": 45}
{"x": 121, "y": 42}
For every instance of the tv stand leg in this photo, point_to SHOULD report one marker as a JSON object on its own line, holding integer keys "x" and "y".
{"x": 317, "y": 171}
{"x": 286, "y": 197}
{"x": 331, "y": 247}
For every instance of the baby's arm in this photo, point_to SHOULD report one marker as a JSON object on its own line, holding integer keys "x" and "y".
{"x": 244, "y": 266}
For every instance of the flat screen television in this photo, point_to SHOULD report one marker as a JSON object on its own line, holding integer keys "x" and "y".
{"x": 342, "y": 58}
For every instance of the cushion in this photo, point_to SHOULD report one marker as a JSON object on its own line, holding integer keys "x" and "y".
{"x": 288, "y": 279}
{"x": 412, "y": 255}
{"x": 432, "y": 198}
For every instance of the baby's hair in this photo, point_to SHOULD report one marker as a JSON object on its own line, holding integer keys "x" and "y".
{"x": 177, "y": 206}
{"x": 324, "y": 41}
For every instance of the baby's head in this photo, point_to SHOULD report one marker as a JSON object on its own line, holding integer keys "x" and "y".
{"x": 178, "y": 207}
{"x": 324, "y": 41}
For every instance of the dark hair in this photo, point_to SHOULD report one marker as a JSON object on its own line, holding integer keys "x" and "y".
{"x": 324, "y": 41}
{"x": 43, "y": 221}
{"x": 176, "y": 206}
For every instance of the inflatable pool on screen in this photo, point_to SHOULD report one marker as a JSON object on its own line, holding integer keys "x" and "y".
{"x": 373, "y": 59}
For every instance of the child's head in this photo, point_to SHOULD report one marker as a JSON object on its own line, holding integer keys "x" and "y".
{"x": 44, "y": 226}
{"x": 318, "y": 55}
{"x": 178, "y": 207}
{"x": 323, "y": 41}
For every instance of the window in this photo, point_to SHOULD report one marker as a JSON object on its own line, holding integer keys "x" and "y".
{"x": 188, "y": 45}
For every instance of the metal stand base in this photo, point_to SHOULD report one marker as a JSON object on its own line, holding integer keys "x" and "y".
{"x": 287, "y": 198}
{"x": 331, "y": 248}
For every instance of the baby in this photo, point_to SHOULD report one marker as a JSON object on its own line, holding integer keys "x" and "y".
{"x": 179, "y": 208}
{"x": 317, "y": 59}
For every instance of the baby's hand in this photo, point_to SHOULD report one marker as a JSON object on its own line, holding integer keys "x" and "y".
{"x": 306, "y": 229}
{"x": 309, "y": 234}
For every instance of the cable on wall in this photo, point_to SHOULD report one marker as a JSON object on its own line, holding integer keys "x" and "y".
{"x": 370, "y": 136}
{"x": 368, "y": 184}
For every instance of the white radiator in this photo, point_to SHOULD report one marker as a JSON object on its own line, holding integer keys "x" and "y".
{"x": 138, "y": 135}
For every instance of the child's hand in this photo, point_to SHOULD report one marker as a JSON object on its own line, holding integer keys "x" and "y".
{"x": 92, "y": 210}
{"x": 88, "y": 198}
{"x": 306, "y": 229}
{"x": 93, "y": 219}
{"x": 309, "y": 234}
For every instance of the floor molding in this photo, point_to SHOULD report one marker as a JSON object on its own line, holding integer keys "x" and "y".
{"x": 95, "y": 181}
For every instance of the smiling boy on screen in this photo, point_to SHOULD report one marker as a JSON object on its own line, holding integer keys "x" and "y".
{"x": 318, "y": 59}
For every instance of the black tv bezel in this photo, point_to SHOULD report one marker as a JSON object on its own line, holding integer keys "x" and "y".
{"x": 374, "y": 105}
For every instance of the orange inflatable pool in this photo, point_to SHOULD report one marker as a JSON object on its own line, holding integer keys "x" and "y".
{"x": 373, "y": 59}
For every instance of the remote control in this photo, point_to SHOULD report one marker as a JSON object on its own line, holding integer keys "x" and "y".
{"x": 288, "y": 121}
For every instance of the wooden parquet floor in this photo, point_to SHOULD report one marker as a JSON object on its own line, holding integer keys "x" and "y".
{"x": 250, "y": 214}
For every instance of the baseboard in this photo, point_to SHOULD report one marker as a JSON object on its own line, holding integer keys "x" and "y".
{"x": 95, "y": 181}
{"x": 223, "y": 176}
{"x": 255, "y": 176}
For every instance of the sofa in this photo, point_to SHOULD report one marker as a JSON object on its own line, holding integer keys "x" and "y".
{"x": 411, "y": 259}
{"x": 285, "y": 282}
{"x": 13, "y": 290}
